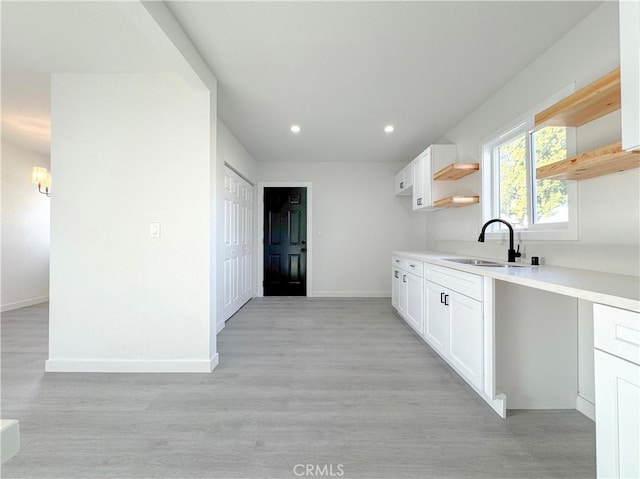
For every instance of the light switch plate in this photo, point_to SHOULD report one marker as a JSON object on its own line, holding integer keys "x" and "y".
{"x": 154, "y": 230}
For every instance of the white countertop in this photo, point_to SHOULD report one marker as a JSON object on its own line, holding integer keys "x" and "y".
{"x": 615, "y": 290}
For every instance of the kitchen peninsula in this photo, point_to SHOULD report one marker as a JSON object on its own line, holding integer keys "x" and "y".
{"x": 523, "y": 352}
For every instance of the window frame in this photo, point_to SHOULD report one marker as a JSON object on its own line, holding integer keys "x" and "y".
{"x": 490, "y": 179}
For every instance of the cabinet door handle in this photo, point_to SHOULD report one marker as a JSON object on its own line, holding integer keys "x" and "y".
{"x": 412, "y": 265}
{"x": 396, "y": 274}
{"x": 419, "y": 201}
{"x": 397, "y": 261}
{"x": 446, "y": 298}
{"x": 442, "y": 298}
{"x": 404, "y": 278}
{"x": 401, "y": 184}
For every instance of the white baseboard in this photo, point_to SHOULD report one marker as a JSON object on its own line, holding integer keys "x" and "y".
{"x": 213, "y": 362}
{"x": 351, "y": 294}
{"x": 586, "y": 407}
{"x": 23, "y": 304}
{"x": 131, "y": 366}
{"x": 498, "y": 403}
{"x": 9, "y": 439}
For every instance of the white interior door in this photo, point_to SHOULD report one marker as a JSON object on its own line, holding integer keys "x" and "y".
{"x": 238, "y": 243}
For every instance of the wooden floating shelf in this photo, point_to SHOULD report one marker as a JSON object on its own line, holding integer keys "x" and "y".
{"x": 591, "y": 102}
{"x": 456, "y": 201}
{"x": 455, "y": 171}
{"x": 602, "y": 161}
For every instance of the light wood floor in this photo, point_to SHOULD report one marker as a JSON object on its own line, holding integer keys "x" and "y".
{"x": 300, "y": 381}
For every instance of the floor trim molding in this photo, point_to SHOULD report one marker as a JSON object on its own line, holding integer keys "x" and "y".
{"x": 131, "y": 366}
{"x": 351, "y": 294}
{"x": 586, "y": 407}
{"x": 23, "y": 304}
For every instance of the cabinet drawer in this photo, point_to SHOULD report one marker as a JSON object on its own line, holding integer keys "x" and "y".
{"x": 409, "y": 265}
{"x": 397, "y": 262}
{"x": 617, "y": 331}
{"x": 415, "y": 267}
{"x": 465, "y": 283}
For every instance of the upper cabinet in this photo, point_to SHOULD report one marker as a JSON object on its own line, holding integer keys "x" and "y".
{"x": 404, "y": 181}
{"x": 587, "y": 104}
{"x": 433, "y": 171}
{"x": 630, "y": 73}
{"x": 430, "y": 179}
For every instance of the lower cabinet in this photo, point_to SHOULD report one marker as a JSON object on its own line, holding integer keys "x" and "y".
{"x": 617, "y": 384}
{"x": 443, "y": 305}
{"x": 413, "y": 311}
{"x": 454, "y": 328}
{"x": 407, "y": 294}
{"x": 395, "y": 286}
{"x": 436, "y": 318}
{"x": 465, "y": 337}
{"x": 617, "y": 417}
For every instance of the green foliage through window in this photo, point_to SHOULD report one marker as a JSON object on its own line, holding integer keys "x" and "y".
{"x": 511, "y": 159}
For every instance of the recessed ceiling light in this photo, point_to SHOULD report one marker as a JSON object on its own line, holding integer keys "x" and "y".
{"x": 295, "y": 128}
{"x": 389, "y": 128}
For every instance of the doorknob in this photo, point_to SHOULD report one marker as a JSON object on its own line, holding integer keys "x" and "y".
{"x": 303, "y": 242}
{"x": 303, "y": 249}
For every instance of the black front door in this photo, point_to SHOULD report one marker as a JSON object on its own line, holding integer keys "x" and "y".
{"x": 285, "y": 241}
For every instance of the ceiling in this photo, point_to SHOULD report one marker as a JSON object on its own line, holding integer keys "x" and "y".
{"x": 340, "y": 70}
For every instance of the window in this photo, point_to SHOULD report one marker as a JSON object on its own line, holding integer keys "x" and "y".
{"x": 539, "y": 209}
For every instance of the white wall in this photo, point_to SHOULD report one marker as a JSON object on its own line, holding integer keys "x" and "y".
{"x": 128, "y": 150}
{"x": 231, "y": 152}
{"x": 25, "y": 230}
{"x": 357, "y": 222}
{"x": 609, "y": 224}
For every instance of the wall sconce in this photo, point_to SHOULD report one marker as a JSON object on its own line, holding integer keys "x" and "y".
{"x": 42, "y": 178}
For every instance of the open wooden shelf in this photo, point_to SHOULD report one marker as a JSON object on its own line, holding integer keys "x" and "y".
{"x": 591, "y": 102}
{"x": 602, "y": 161}
{"x": 456, "y": 201}
{"x": 455, "y": 171}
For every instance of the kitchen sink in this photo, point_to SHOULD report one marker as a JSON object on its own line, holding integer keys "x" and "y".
{"x": 481, "y": 262}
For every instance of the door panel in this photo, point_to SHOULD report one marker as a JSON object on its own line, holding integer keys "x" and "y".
{"x": 415, "y": 292}
{"x": 465, "y": 337}
{"x": 294, "y": 268}
{"x": 436, "y": 328}
{"x": 617, "y": 416}
{"x": 238, "y": 244}
{"x": 285, "y": 223}
{"x": 294, "y": 227}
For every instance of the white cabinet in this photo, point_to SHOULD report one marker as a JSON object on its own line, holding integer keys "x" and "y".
{"x": 407, "y": 291}
{"x": 404, "y": 181}
{"x": 454, "y": 328}
{"x": 415, "y": 291}
{"x": 425, "y": 190}
{"x": 630, "y": 72}
{"x": 436, "y": 318}
{"x": 465, "y": 336}
{"x": 445, "y": 307}
{"x": 617, "y": 383}
{"x": 395, "y": 286}
{"x": 617, "y": 417}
